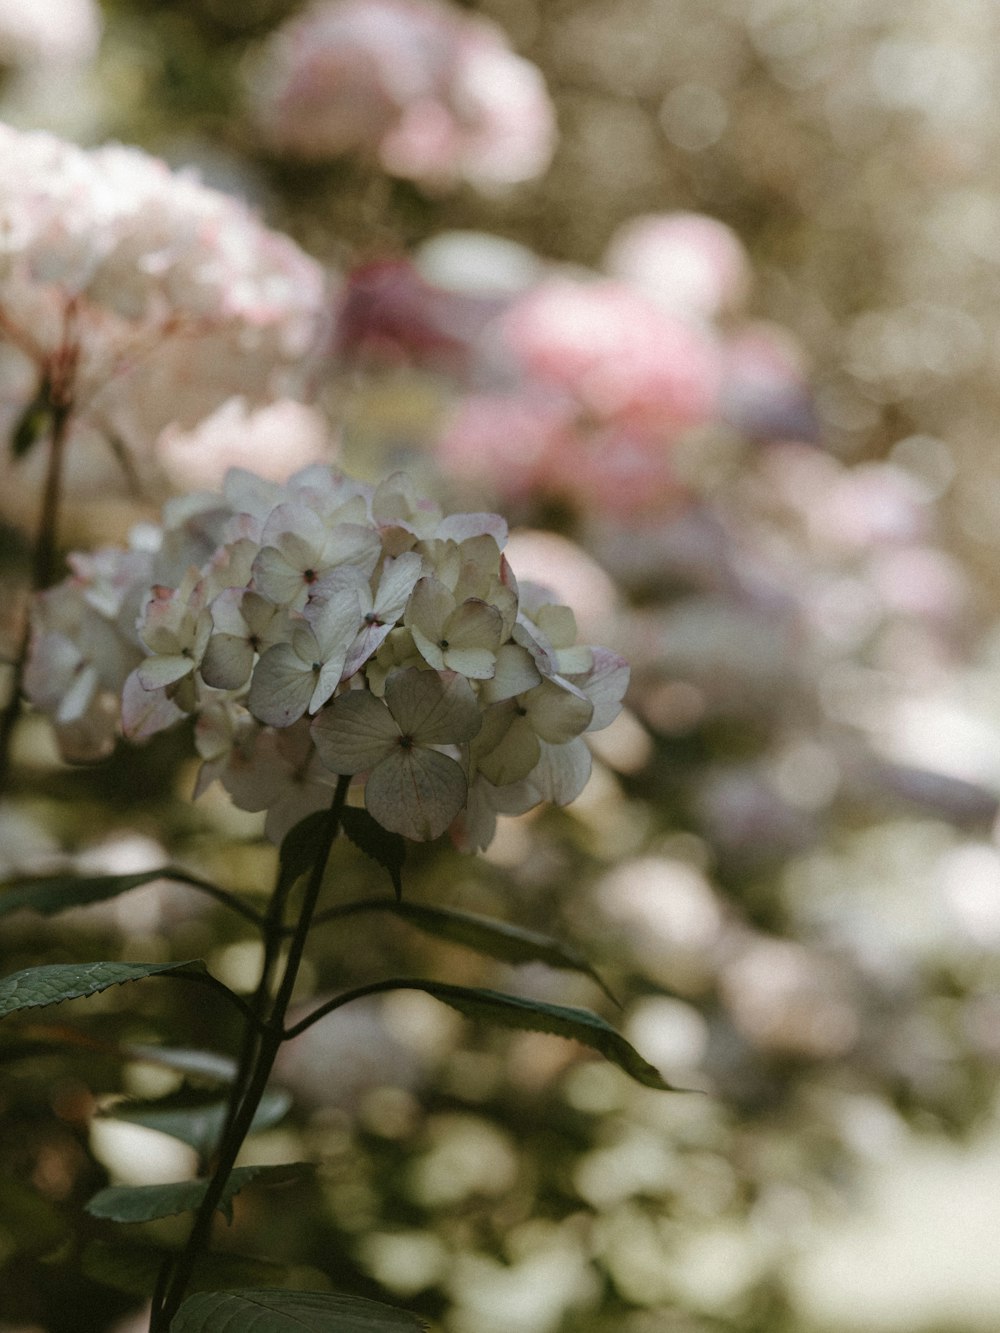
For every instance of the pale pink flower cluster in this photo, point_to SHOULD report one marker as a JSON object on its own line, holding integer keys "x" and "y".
{"x": 326, "y": 627}
{"x": 273, "y": 440}
{"x": 58, "y": 32}
{"x": 434, "y": 92}
{"x": 583, "y": 383}
{"x": 138, "y": 296}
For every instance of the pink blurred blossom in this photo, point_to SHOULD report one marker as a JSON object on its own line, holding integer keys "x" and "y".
{"x": 273, "y": 441}
{"x": 685, "y": 262}
{"x": 389, "y": 313}
{"x": 616, "y": 352}
{"x": 435, "y": 93}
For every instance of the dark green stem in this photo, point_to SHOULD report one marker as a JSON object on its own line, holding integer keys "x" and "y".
{"x": 259, "y": 1054}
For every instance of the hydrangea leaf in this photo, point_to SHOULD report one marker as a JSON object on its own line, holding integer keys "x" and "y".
{"x": 134, "y": 1268}
{"x": 50, "y": 894}
{"x": 266, "y": 1311}
{"x": 35, "y": 987}
{"x": 368, "y": 835}
{"x": 497, "y": 939}
{"x": 514, "y": 1011}
{"x": 34, "y": 423}
{"x": 145, "y": 1203}
{"x": 198, "y": 1120}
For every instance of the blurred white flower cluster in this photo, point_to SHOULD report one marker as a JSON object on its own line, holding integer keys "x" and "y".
{"x": 138, "y": 297}
{"x": 58, "y": 32}
{"x": 327, "y": 627}
{"x": 435, "y": 93}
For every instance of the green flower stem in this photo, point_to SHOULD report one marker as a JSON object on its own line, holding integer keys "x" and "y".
{"x": 43, "y": 565}
{"x": 273, "y": 930}
{"x": 259, "y": 1054}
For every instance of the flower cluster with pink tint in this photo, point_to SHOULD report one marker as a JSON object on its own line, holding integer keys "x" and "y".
{"x": 326, "y": 627}
{"x": 583, "y": 383}
{"x": 139, "y": 297}
{"x": 436, "y": 94}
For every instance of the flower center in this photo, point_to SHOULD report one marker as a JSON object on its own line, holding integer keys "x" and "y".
{"x": 406, "y": 742}
{"x": 310, "y": 575}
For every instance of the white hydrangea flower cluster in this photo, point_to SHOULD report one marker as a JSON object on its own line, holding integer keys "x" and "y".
{"x": 139, "y": 295}
{"x": 327, "y": 627}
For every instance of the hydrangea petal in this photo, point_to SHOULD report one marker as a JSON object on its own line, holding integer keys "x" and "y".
{"x": 228, "y": 662}
{"x": 145, "y": 712}
{"x": 515, "y": 673}
{"x": 416, "y": 792}
{"x": 282, "y": 686}
{"x": 558, "y": 711}
{"x": 605, "y": 685}
{"x": 158, "y": 672}
{"x": 433, "y": 708}
{"x": 562, "y": 771}
{"x": 355, "y": 733}
{"x": 514, "y": 756}
{"x": 472, "y": 634}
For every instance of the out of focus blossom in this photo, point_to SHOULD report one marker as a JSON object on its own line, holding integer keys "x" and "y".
{"x": 686, "y": 262}
{"x": 616, "y": 353}
{"x": 281, "y": 437}
{"x": 577, "y": 386}
{"x": 434, "y": 93}
{"x": 58, "y": 32}
{"x": 136, "y": 297}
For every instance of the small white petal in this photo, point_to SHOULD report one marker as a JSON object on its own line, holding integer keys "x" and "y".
{"x": 562, "y": 771}
{"x": 227, "y": 663}
{"x": 282, "y": 686}
{"x": 558, "y": 710}
{"x": 158, "y": 672}
{"x": 515, "y": 673}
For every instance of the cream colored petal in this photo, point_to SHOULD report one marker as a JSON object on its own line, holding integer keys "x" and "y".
{"x": 354, "y": 733}
{"x": 416, "y": 792}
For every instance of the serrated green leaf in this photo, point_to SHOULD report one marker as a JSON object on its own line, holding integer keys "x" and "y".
{"x": 56, "y": 982}
{"x": 145, "y": 1203}
{"x": 289, "y": 1312}
{"x": 301, "y": 846}
{"x": 497, "y": 939}
{"x": 197, "y": 1120}
{"x": 387, "y": 849}
{"x": 50, "y": 894}
{"x": 134, "y": 1268}
{"x": 512, "y": 1011}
